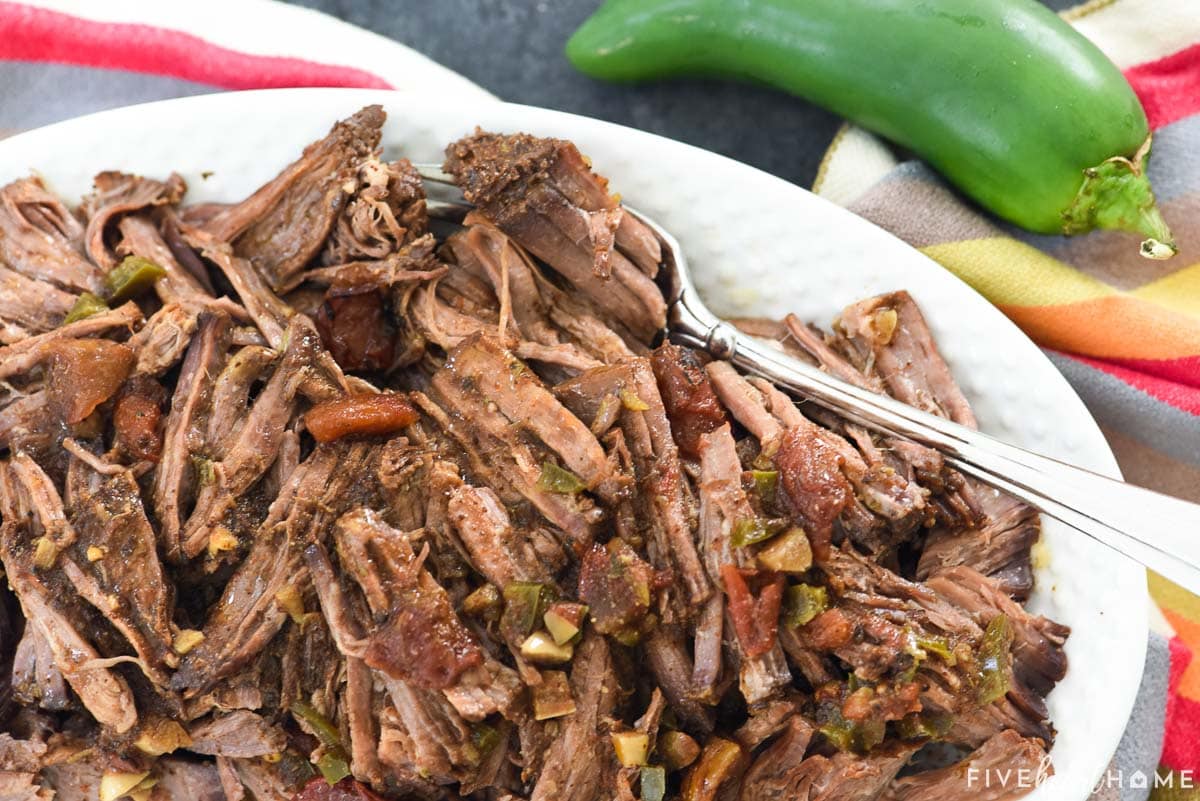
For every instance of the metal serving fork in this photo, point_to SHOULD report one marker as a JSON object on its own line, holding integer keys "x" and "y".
{"x": 1160, "y": 532}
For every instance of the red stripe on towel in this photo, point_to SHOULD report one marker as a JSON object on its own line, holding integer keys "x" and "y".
{"x": 36, "y": 34}
{"x": 1169, "y": 87}
{"x": 1181, "y": 747}
{"x": 1182, "y": 396}
{"x": 1185, "y": 370}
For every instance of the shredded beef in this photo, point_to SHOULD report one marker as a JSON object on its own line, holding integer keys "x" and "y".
{"x": 351, "y": 507}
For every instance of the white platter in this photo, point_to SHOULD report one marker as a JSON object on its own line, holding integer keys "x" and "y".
{"x": 757, "y": 245}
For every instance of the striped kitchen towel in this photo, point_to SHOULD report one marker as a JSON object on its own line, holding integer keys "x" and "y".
{"x": 1124, "y": 330}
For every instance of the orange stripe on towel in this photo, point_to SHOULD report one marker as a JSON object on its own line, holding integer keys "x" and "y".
{"x": 1117, "y": 327}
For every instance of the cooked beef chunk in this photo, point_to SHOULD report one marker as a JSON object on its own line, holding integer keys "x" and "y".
{"x": 990, "y": 773}
{"x": 419, "y": 638}
{"x": 1038, "y": 658}
{"x": 240, "y": 734}
{"x": 531, "y": 558}
{"x": 282, "y": 226}
{"x": 174, "y": 478}
{"x": 581, "y": 765}
{"x": 249, "y": 612}
{"x": 776, "y": 774}
{"x": 998, "y": 547}
{"x": 41, "y": 240}
{"x": 113, "y": 562}
{"x": 890, "y": 333}
{"x": 386, "y": 212}
{"x": 118, "y": 194}
{"x": 663, "y": 505}
{"x": 29, "y": 306}
{"x": 723, "y": 506}
{"x": 542, "y": 193}
{"x": 34, "y": 530}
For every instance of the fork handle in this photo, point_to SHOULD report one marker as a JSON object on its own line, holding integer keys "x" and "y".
{"x": 1160, "y": 532}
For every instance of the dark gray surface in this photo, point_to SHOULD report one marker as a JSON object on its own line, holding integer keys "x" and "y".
{"x": 513, "y": 48}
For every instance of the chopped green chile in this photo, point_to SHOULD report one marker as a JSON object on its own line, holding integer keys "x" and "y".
{"x": 85, "y": 306}
{"x": 334, "y": 764}
{"x": 939, "y": 646}
{"x": 854, "y": 683}
{"x": 765, "y": 482}
{"x": 750, "y": 531}
{"x": 484, "y": 602}
{"x": 802, "y": 603}
{"x": 132, "y": 277}
{"x": 924, "y": 726}
{"x": 484, "y": 737}
{"x": 324, "y": 730}
{"x": 994, "y": 658}
{"x": 560, "y": 480}
{"x": 525, "y": 603}
{"x": 333, "y": 767}
{"x": 847, "y": 735}
{"x": 921, "y": 648}
{"x": 653, "y": 783}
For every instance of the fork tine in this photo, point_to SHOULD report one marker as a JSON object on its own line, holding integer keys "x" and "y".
{"x": 434, "y": 174}
{"x": 444, "y": 200}
{"x": 447, "y": 210}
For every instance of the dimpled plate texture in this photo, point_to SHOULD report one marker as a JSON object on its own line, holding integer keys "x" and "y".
{"x": 757, "y": 245}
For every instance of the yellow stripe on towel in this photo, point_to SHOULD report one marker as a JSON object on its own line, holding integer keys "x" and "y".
{"x": 1011, "y": 273}
{"x": 1179, "y": 291}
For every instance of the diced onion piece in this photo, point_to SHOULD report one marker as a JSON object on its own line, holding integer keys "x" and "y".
{"x": 187, "y": 639}
{"x": 289, "y": 600}
{"x": 564, "y": 621}
{"x": 115, "y": 785}
{"x": 632, "y": 747}
{"x": 221, "y": 540}
{"x": 45, "y": 553}
{"x": 162, "y": 736}
{"x": 787, "y": 553}
{"x": 540, "y": 648}
{"x": 631, "y": 401}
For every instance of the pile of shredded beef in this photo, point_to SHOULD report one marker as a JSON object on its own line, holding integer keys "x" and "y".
{"x": 301, "y": 502}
